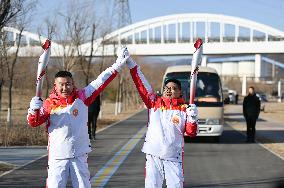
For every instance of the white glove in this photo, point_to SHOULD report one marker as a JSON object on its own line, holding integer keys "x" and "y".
{"x": 130, "y": 62}
{"x": 35, "y": 104}
{"x": 192, "y": 113}
{"x": 122, "y": 57}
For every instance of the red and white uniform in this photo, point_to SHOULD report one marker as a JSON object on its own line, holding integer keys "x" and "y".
{"x": 164, "y": 138}
{"x": 68, "y": 139}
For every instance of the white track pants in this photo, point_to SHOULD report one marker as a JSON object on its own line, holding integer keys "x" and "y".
{"x": 59, "y": 170}
{"x": 156, "y": 169}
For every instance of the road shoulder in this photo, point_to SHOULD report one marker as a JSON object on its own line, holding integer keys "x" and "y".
{"x": 269, "y": 134}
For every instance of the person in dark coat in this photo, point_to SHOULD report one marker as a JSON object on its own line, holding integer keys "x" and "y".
{"x": 93, "y": 112}
{"x": 251, "y": 109}
{"x": 237, "y": 98}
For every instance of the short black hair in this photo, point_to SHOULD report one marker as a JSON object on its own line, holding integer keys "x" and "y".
{"x": 251, "y": 87}
{"x": 176, "y": 81}
{"x": 63, "y": 74}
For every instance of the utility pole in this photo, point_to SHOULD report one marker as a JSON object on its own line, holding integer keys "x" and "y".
{"x": 120, "y": 17}
{"x": 120, "y": 14}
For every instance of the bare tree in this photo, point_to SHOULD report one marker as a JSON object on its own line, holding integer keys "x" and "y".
{"x": 80, "y": 27}
{"x": 10, "y": 56}
{"x": 10, "y": 64}
{"x": 75, "y": 32}
{"x": 9, "y": 9}
{"x": 3, "y": 58}
{"x": 86, "y": 69}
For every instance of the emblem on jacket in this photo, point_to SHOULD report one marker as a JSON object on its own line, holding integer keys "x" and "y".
{"x": 75, "y": 112}
{"x": 175, "y": 119}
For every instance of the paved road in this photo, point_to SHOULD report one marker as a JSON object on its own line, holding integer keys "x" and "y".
{"x": 19, "y": 156}
{"x": 118, "y": 162}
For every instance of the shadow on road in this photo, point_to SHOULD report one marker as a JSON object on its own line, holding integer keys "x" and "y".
{"x": 233, "y": 114}
{"x": 238, "y": 119}
{"x": 272, "y": 182}
{"x": 235, "y": 137}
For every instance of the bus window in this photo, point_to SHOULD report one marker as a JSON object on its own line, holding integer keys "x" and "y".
{"x": 208, "y": 88}
{"x": 208, "y": 97}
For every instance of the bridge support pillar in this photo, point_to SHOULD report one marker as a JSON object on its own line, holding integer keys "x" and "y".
{"x": 204, "y": 61}
{"x": 257, "y": 67}
{"x": 279, "y": 91}
{"x": 244, "y": 85}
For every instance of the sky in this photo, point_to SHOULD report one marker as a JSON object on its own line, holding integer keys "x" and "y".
{"x": 269, "y": 12}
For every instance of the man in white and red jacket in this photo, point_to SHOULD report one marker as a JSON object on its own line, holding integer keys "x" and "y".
{"x": 66, "y": 115}
{"x": 169, "y": 118}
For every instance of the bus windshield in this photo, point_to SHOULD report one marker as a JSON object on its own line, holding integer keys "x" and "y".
{"x": 208, "y": 88}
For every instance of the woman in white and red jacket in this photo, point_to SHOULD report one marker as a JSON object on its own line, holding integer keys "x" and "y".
{"x": 66, "y": 115}
{"x": 169, "y": 118}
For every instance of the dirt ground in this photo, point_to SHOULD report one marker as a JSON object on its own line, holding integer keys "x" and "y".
{"x": 274, "y": 111}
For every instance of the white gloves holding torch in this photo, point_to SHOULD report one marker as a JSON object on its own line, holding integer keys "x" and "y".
{"x": 35, "y": 104}
{"x": 191, "y": 128}
{"x": 192, "y": 113}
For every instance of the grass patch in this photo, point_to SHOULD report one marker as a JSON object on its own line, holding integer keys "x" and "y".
{"x": 22, "y": 135}
{"x": 5, "y": 167}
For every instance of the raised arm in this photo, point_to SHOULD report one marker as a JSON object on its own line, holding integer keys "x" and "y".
{"x": 144, "y": 88}
{"x": 90, "y": 92}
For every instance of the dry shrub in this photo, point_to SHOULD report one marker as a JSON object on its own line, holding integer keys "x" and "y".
{"x": 22, "y": 135}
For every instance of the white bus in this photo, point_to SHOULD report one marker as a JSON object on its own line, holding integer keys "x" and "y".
{"x": 208, "y": 97}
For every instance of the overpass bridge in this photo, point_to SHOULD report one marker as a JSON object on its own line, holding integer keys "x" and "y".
{"x": 175, "y": 34}
{"x": 30, "y": 45}
{"x": 172, "y": 35}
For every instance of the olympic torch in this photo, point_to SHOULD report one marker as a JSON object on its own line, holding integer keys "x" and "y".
{"x": 41, "y": 69}
{"x": 196, "y": 61}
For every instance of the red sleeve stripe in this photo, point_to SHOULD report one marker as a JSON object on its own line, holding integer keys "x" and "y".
{"x": 102, "y": 78}
{"x": 35, "y": 121}
{"x": 97, "y": 90}
{"x": 142, "y": 85}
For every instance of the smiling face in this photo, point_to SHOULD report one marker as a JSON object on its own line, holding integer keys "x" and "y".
{"x": 64, "y": 86}
{"x": 171, "y": 90}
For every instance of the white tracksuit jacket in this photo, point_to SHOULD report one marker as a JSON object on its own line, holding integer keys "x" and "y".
{"x": 167, "y": 121}
{"x": 67, "y": 118}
